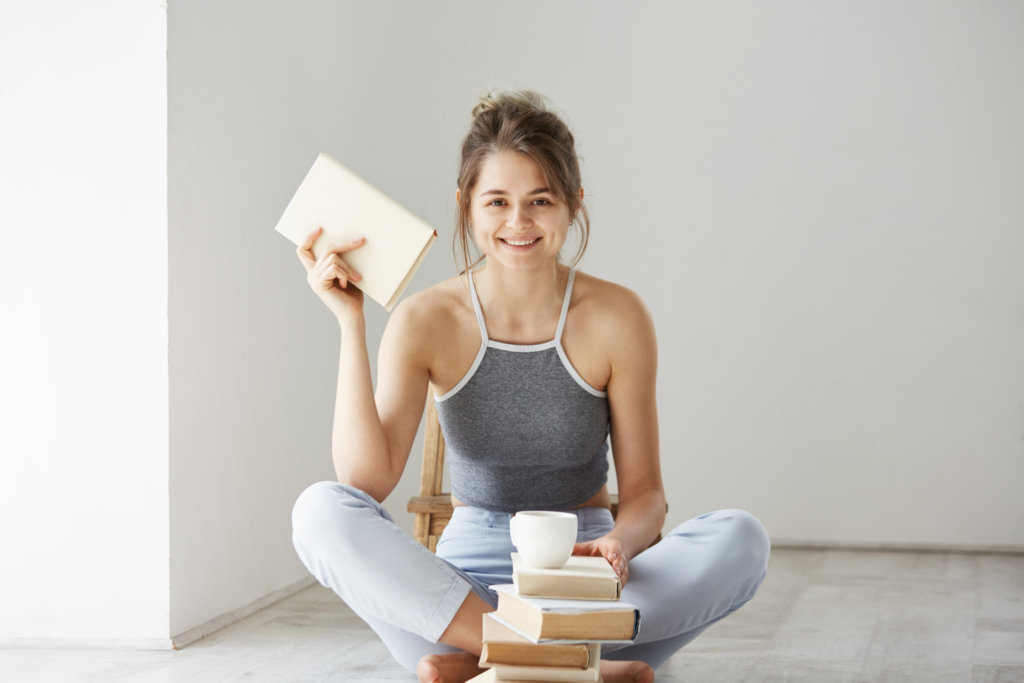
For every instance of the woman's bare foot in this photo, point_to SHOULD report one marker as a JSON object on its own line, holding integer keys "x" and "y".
{"x": 458, "y": 667}
{"x": 625, "y": 672}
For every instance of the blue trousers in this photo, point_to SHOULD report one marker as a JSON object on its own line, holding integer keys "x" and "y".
{"x": 702, "y": 571}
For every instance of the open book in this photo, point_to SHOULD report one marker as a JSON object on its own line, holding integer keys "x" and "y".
{"x": 347, "y": 207}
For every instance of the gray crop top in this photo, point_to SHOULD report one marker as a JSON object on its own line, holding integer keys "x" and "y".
{"x": 522, "y": 429}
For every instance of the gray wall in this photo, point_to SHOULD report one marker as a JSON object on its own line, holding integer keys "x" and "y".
{"x": 816, "y": 201}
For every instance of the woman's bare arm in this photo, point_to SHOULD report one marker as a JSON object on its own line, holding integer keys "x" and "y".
{"x": 372, "y": 434}
{"x": 634, "y": 431}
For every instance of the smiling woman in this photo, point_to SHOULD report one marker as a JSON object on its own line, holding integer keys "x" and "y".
{"x": 511, "y": 124}
{"x": 515, "y": 216}
{"x": 535, "y": 369}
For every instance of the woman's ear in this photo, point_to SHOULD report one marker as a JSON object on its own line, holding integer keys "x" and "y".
{"x": 458, "y": 197}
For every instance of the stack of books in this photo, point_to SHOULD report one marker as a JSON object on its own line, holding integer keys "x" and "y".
{"x": 550, "y": 623}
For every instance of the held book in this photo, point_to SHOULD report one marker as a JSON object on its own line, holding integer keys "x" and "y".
{"x": 589, "y": 578}
{"x": 502, "y": 645}
{"x": 347, "y": 207}
{"x": 544, "y": 619}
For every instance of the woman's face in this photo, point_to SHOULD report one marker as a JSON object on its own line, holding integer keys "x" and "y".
{"x": 518, "y": 221}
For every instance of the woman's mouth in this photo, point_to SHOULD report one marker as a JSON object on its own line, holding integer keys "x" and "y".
{"x": 520, "y": 243}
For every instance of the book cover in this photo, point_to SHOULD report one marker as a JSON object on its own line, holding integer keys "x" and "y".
{"x": 333, "y": 197}
{"x": 544, "y": 619}
{"x": 529, "y": 672}
{"x": 590, "y": 578}
{"x": 492, "y": 676}
{"x": 502, "y": 645}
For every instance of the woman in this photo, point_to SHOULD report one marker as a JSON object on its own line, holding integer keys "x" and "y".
{"x": 533, "y": 366}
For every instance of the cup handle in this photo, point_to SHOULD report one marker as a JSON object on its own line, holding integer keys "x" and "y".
{"x": 512, "y": 530}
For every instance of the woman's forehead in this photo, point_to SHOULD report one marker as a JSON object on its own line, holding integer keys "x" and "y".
{"x": 510, "y": 172}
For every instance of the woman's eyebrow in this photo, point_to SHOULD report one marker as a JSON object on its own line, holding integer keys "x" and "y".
{"x": 539, "y": 190}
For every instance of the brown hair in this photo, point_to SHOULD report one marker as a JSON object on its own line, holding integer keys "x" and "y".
{"x": 519, "y": 121}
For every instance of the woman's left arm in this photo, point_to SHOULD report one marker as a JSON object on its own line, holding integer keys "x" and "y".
{"x": 634, "y": 437}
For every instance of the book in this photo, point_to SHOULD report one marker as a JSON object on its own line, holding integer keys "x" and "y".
{"x": 502, "y": 645}
{"x": 544, "y": 619}
{"x": 590, "y": 578}
{"x": 347, "y": 207}
{"x": 511, "y": 672}
{"x": 493, "y": 676}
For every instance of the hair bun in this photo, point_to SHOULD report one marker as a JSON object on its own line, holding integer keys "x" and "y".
{"x": 510, "y": 99}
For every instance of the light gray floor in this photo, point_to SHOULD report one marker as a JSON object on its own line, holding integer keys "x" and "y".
{"x": 821, "y": 616}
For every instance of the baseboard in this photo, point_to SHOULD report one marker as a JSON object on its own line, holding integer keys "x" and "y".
{"x": 868, "y": 546}
{"x": 203, "y": 630}
{"x": 174, "y": 643}
{"x": 85, "y": 644}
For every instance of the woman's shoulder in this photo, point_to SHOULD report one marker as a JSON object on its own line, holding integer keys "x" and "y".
{"x": 616, "y": 324}
{"x": 607, "y": 301}
{"x": 434, "y": 309}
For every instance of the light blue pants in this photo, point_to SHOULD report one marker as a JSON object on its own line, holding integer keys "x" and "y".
{"x": 703, "y": 570}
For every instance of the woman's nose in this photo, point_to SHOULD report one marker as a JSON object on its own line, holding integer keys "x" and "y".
{"x": 519, "y": 216}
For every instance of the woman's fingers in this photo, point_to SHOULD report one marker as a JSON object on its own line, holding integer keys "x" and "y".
{"x": 342, "y": 268}
{"x": 330, "y": 268}
{"x": 620, "y": 565}
{"x": 305, "y": 250}
{"x": 349, "y": 246}
{"x": 611, "y": 551}
{"x": 308, "y": 258}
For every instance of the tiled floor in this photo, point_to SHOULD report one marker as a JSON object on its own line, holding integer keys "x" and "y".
{"x": 821, "y": 616}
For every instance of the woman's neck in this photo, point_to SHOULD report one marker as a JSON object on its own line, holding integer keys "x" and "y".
{"x": 521, "y": 302}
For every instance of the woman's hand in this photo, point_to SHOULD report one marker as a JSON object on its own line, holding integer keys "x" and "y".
{"x": 330, "y": 276}
{"x": 611, "y": 550}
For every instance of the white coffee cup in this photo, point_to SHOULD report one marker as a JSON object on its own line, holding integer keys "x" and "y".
{"x": 544, "y": 539}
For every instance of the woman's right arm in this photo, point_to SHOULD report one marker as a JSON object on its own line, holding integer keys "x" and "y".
{"x": 372, "y": 436}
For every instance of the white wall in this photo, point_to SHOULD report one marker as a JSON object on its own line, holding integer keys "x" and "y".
{"x": 83, "y": 352}
{"x": 837, "y": 275}
{"x": 256, "y": 91}
{"x": 816, "y": 201}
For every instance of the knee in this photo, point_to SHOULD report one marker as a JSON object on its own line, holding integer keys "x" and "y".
{"x": 310, "y": 508}
{"x": 749, "y": 542}
{"x": 321, "y": 508}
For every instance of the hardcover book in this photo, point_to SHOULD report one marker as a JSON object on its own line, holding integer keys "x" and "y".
{"x": 542, "y": 674}
{"x": 590, "y": 578}
{"x": 544, "y": 619}
{"x": 347, "y": 207}
{"x": 502, "y": 645}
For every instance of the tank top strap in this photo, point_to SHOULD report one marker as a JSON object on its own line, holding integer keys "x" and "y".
{"x": 565, "y": 306}
{"x": 476, "y": 308}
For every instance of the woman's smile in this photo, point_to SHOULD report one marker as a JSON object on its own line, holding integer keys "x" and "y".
{"x": 519, "y": 243}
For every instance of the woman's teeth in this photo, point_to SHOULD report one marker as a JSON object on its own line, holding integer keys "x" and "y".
{"x": 520, "y": 243}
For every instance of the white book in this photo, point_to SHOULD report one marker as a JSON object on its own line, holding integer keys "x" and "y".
{"x": 347, "y": 207}
{"x": 584, "y": 577}
{"x": 552, "y": 674}
{"x": 548, "y": 619}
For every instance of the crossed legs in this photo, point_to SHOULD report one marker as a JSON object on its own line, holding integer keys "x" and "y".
{"x": 421, "y": 604}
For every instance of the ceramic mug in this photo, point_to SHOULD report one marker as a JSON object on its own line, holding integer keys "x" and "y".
{"x": 544, "y": 539}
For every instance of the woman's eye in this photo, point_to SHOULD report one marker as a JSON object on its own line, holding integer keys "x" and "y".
{"x": 496, "y": 202}
{"x": 542, "y": 202}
